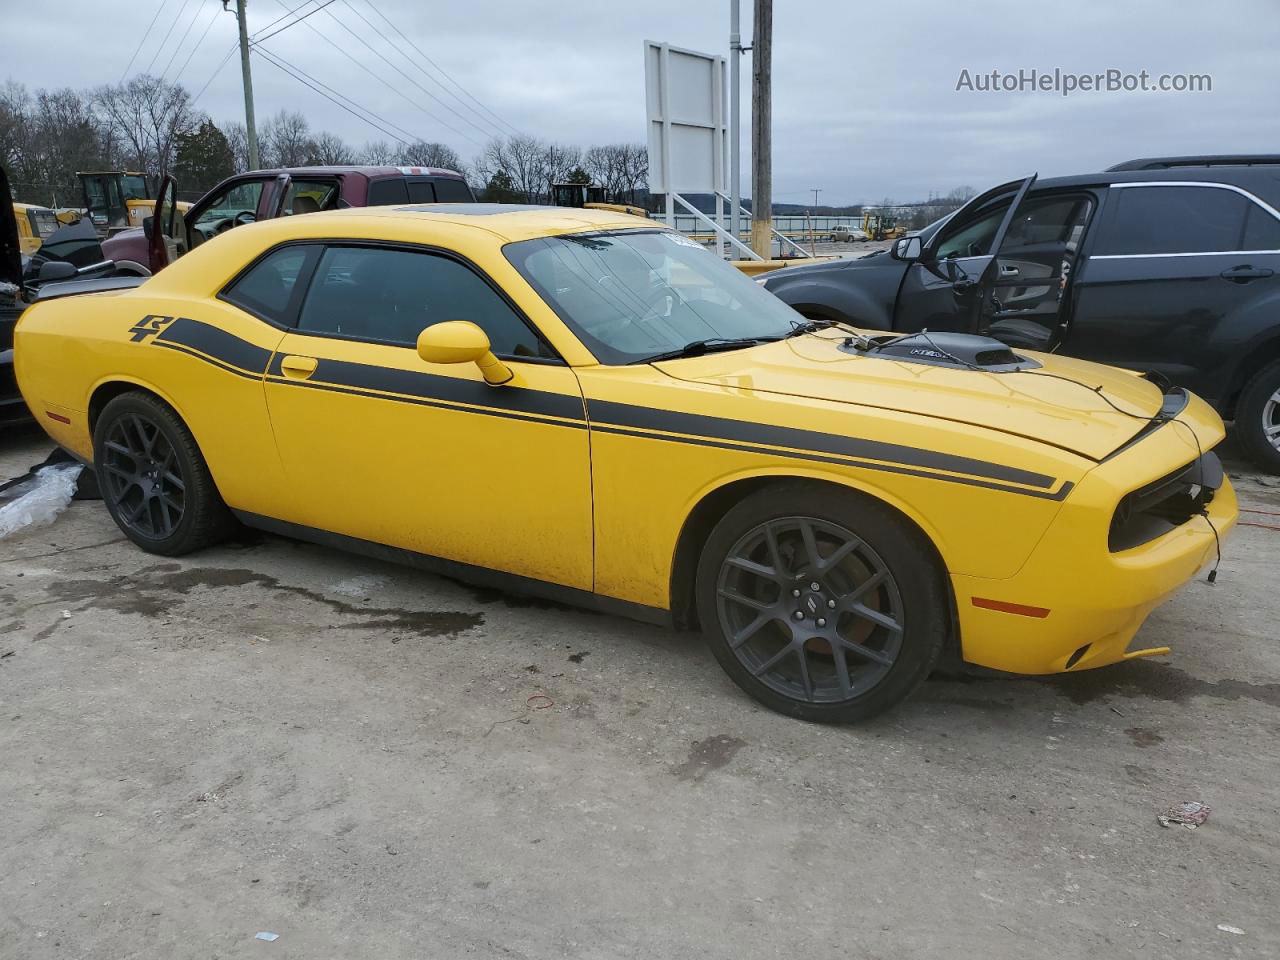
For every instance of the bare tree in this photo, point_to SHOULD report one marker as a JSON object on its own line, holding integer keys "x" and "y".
{"x": 521, "y": 161}
{"x": 621, "y": 168}
{"x": 145, "y": 116}
{"x": 238, "y": 141}
{"x": 558, "y": 161}
{"x": 331, "y": 150}
{"x": 423, "y": 154}
{"x": 286, "y": 140}
{"x": 378, "y": 153}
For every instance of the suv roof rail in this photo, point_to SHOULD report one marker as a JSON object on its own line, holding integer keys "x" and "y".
{"x": 1206, "y": 160}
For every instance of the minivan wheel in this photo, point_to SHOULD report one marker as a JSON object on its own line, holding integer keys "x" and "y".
{"x": 821, "y": 604}
{"x": 1258, "y": 418}
{"x": 153, "y": 478}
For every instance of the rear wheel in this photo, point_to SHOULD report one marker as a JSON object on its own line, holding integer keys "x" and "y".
{"x": 1258, "y": 418}
{"x": 153, "y": 478}
{"x": 821, "y": 604}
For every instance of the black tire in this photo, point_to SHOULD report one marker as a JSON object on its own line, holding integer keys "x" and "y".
{"x": 1257, "y": 412}
{"x": 153, "y": 478}
{"x": 807, "y": 682}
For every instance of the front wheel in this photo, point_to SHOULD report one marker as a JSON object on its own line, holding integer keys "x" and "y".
{"x": 1258, "y": 418}
{"x": 821, "y": 604}
{"x": 153, "y": 477}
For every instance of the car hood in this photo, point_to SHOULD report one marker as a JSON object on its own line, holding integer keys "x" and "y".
{"x": 1064, "y": 403}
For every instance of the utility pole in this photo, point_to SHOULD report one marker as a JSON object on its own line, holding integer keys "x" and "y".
{"x": 815, "y": 191}
{"x": 251, "y": 133}
{"x": 736, "y": 50}
{"x": 761, "y": 131}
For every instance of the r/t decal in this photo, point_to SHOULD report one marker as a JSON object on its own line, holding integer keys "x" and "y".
{"x": 148, "y": 326}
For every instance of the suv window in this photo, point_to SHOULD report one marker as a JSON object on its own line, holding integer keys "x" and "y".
{"x": 1150, "y": 220}
{"x": 309, "y": 196}
{"x": 391, "y": 296}
{"x": 974, "y": 238}
{"x": 1261, "y": 230}
{"x": 269, "y": 289}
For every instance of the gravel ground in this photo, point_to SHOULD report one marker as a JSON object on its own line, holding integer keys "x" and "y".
{"x": 373, "y": 762}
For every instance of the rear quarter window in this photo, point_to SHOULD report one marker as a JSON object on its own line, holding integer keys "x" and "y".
{"x": 272, "y": 287}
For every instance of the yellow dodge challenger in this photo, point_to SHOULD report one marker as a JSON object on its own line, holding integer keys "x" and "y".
{"x": 588, "y": 406}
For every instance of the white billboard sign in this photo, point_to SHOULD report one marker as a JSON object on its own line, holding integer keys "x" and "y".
{"x": 687, "y": 120}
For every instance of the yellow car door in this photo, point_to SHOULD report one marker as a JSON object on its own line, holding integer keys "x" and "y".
{"x": 379, "y": 445}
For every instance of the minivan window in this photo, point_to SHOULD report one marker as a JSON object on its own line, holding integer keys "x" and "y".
{"x": 386, "y": 295}
{"x": 1159, "y": 219}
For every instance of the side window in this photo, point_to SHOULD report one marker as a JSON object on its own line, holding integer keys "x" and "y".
{"x": 974, "y": 238}
{"x": 309, "y": 196}
{"x": 420, "y": 192}
{"x": 1261, "y": 230}
{"x": 1149, "y": 220}
{"x": 270, "y": 288}
{"x": 386, "y": 192}
{"x": 391, "y": 296}
{"x": 236, "y": 205}
{"x": 449, "y": 190}
{"x": 1054, "y": 223}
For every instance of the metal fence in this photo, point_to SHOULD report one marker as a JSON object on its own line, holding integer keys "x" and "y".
{"x": 791, "y": 226}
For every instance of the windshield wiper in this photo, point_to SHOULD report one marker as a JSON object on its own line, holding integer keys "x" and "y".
{"x": 697, "y": 348}
{"x": 808, "y": 326}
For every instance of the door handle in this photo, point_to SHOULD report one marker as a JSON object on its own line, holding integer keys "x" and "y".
{"x": 1008, "y": 270}
{"x": 1246, "y": 272}
{"x": 298, "y": 368}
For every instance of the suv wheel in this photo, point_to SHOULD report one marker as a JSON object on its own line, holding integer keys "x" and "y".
{"x": 1258, "y": 418}
{"x": 821, "y": 603}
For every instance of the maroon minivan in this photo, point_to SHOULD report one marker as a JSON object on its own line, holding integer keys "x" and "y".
{"x": 264, "y": 194}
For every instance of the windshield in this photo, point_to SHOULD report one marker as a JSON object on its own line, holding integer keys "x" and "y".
{"x": 636, "y": 294}
{"x": 135, "y": 187}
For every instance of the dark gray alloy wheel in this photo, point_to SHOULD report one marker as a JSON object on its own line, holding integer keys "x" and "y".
{"x": 821, "y": 603}
{"x": 812, "y": 611}
{"x": 154, "y": 480}
{"x": 141, "y": 477}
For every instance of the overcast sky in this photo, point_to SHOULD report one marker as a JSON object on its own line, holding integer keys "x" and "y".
{"x": 865, "y": 102}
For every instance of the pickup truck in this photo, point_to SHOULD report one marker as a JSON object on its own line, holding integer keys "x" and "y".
{"x": 264, "y": 194}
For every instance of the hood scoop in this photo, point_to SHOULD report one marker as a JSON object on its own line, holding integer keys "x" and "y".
{"x": 961, "y": 351}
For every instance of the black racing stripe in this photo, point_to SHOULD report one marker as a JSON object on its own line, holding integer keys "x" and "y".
{"x": 578, "y": 424}
{"x": 217, "y": 343}
{"x": 179, "y": 348}
{"x": 431, "y": 386}
{"x": 607, "y": 412}
{"x": 818, "y": 458}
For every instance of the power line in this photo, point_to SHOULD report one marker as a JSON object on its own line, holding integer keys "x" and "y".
{"x": 293, "y": 22}
{"x": 279, "y": 64}
{"x": 216, "y": 70}
{"x": 411, "y": 137}
{"x": 177, "y": 47}
{"x": 382, "y": 57}
{"x": 442, "y": 103}
{"x": 200, "y": 42}
{"x": 168, "y": 33}
{"x": 284, "y": 16}
{"x": 138, "y": 48}
{"x": 441, "y": 69}
{"x": 390, "y": 86}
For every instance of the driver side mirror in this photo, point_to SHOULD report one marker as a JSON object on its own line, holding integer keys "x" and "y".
{"x": 56, "y": 270}
{"x": 461, "y": 341}
{"x": 906, "y": 248}
{"x": 148, "y": 226}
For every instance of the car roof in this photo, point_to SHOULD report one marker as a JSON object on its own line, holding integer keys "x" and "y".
{"x": 509, "y": 221}
{"x": 370, "y": 172}
{"x": 1262, "y": 181}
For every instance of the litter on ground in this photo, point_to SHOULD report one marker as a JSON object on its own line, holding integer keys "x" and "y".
{"x": 1190, "y": 814}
